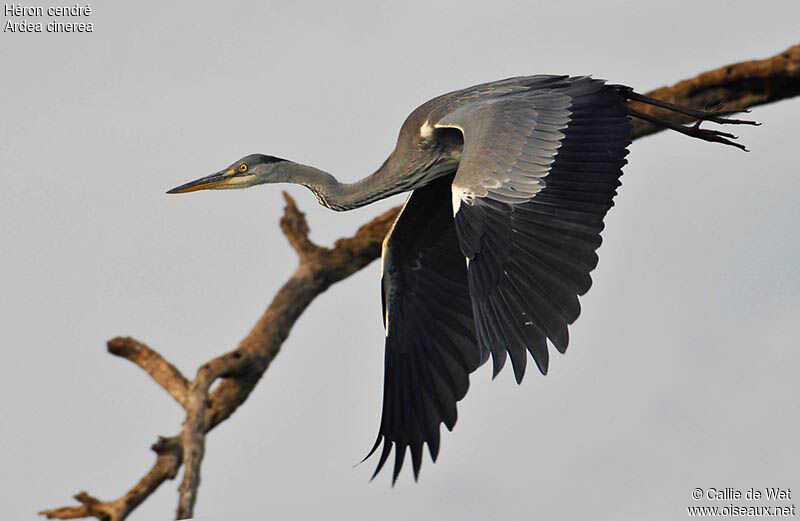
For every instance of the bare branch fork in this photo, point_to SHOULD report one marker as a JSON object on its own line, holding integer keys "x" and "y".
{"x": 741, "y": 85}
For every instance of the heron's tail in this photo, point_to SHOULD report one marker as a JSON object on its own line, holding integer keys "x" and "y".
{"x": 700, "y": 115}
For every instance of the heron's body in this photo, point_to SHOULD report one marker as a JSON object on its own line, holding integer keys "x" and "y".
{"x": 510, "y": 183}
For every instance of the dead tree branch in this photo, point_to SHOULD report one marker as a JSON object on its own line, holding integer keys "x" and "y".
{"x": 742, "y": 85}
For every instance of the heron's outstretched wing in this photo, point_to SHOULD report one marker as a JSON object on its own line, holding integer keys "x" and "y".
{"x": 430, "y": 342}
{"x": 538, "y": 172}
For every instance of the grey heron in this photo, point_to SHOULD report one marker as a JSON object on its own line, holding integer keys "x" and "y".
{"x": 510, "y": 182}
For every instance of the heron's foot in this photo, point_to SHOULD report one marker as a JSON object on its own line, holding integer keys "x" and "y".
{"x": 714, "y": 136}
{"x": 709, "y": 114}
{"x": 696, "y": 131}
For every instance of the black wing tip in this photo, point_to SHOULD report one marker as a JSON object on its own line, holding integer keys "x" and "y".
{"x": 562, "y": 343}
{"x": 372, "y": 450}
{"x": 400, "y": 452}
{"x": 387, "y": 447}
{"x": 498, "y": 362}
{"x": 399, "y": 458}
{"x": 433, "y": 451}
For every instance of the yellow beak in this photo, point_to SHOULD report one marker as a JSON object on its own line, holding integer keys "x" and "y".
{"x": 210, "y": 182}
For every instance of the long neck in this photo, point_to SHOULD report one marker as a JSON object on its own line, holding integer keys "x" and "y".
{"x": 385, "y": 182}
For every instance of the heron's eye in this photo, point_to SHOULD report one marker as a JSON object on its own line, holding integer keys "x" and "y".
{"x": 243, "y": 168}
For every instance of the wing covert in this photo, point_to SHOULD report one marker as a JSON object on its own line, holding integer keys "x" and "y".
{"x": 538, "y": 173}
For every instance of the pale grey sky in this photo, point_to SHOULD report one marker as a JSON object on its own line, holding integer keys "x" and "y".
{"x": 682, "y": 371}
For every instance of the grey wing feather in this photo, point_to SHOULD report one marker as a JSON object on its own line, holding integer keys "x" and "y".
{"x": 512, "y": 140}
{"x": 539, "y": 169}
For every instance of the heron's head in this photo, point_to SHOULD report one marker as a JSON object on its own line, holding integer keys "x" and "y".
{"x": 251, "y": 170}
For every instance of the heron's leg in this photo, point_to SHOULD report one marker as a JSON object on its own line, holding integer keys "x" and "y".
{"x": 701, "y": 115}
{"x": 694, "y": 131}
